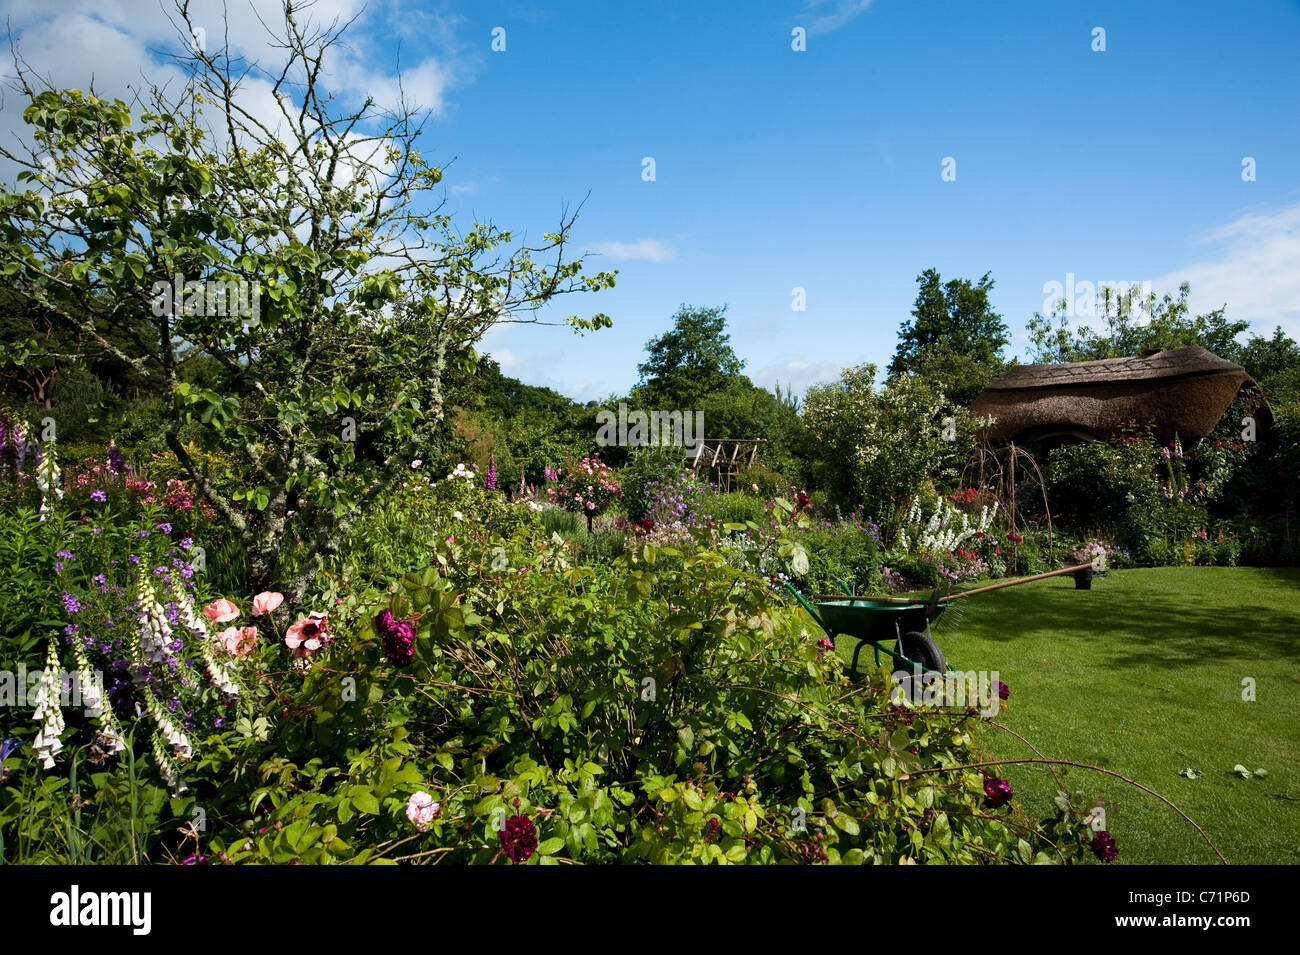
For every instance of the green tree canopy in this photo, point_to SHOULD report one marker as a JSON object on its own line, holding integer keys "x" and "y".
{"x": 1123, "y": 331}
{"x": 691, "y": 360}
{"x": 954, "y": 317}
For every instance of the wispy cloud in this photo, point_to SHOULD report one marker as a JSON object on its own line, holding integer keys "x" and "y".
{"x": 642, "y": 250}
{"x": 797, "y": 375}
{"x": 840, "y": 13}
{"x": 1251, "y": 266}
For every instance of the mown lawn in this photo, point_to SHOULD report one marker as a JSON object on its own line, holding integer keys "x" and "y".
{"x": 1144, "y": 675}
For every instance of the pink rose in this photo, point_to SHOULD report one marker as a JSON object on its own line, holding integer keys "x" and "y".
{"x": 308, "y": 635}
{"x": 422, "y": 810}
{"x": 238, "y": 641}
{"x": 221, "y": 611}
{"x": 266, "y": 602}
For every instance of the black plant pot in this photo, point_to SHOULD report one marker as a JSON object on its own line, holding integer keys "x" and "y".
{"x": 1083, "y": 579}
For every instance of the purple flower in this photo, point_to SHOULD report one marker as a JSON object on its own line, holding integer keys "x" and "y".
{"x": 187, "y": 543}
{"x": 904, "y": 712}
{"x": 519, "y": 838}
{"x": 1104, "y": 848}
{"x": 115, "y": 462}
{"x": 98, "y": 496}
{"x": 1004, "y": 691}
{"x": 997, "y": 792}
{"x": 164, "y": 528}
{"x": 397, "y": 637}
{"x": 70, "y": 603}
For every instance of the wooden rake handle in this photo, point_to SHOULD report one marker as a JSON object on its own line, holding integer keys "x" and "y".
{"x": 1018, "y": 580}
{"x": 825, "y": 598}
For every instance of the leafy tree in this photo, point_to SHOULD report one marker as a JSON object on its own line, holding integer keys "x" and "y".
{"x": 1274, "y": 362}
{"x": 953, "y": 317}
{"x": 691, "y": 360}
{"x": 883, "y": 446}
{"x": 1170, "y": 325}
{"x": 364, "y": 290}
{"x": 741, "y": 409}
{"x": 960, "y": 378}
{"x": 525, "y": 426}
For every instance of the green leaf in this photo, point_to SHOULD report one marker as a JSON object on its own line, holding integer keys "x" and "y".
{"x": 550, "y": 846}
{"x": 365, "y": 800}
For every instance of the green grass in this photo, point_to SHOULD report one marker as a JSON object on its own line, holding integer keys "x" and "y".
{"x": 1143, "y": 675}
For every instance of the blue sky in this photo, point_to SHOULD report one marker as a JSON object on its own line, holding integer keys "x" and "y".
{"x": 820, "y": 169}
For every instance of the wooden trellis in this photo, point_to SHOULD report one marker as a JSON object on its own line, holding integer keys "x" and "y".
{"x": 725, "y": 457}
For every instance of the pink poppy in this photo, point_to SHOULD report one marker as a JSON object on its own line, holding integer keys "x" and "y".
{"x": 266, "y": 602}
{"x": 221, "y": 611}
{"x": 307, "y": 635}
{"x": 238, "y": 641}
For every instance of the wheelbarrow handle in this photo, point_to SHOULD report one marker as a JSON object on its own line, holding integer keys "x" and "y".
{"x": 1018, "y": 580}
{"x": 806, "y": 606}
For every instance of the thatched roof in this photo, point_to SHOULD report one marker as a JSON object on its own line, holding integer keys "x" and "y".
{"x": 1184, "y": 391}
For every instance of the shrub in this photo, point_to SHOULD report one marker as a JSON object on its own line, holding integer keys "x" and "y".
{"x": 648, "y": 463}
{"x": 1099, "y": 483}
{"x": 556, "y": 520}
{"x": 601, "y": 545}
{"x": 586, "y": 487}
{"x": 679, "y": 498}
{"x": 768, "y": 481}
{"x": 647, "y": 710}
{"x": 842, "y": 552}
{"x": 737, "y": 508}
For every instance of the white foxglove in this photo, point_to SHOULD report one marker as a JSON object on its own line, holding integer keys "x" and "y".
{"x": 48, "y": 714}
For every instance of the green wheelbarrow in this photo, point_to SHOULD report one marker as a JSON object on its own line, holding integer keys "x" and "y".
{"x": 903, "y": 621}
{"x": 880, "y": 620}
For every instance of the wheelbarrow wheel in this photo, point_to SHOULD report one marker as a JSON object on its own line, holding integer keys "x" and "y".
{"x": 921, "y": 648}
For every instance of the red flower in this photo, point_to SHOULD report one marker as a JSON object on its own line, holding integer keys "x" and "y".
{"x": 519, "y": 838}
{"x": 1104, "y": 848}
{"x": 997, "y": 792}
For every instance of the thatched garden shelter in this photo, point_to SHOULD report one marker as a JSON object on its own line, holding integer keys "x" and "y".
{"x": 1184, "y": 391}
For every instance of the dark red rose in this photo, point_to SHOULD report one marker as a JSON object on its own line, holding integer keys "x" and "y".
{"x": 1104, "y": 848}
{"x": 997, "y": 792}
{"x": 519, "y": 838}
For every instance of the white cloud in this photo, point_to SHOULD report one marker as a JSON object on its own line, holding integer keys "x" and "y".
{"x": 841, "y": 13}
{"x": 124, "y": 46}
{"x": 1252, "y": 265}
{"x": 797, "y": 375}
{"x": 642, "y": 250}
